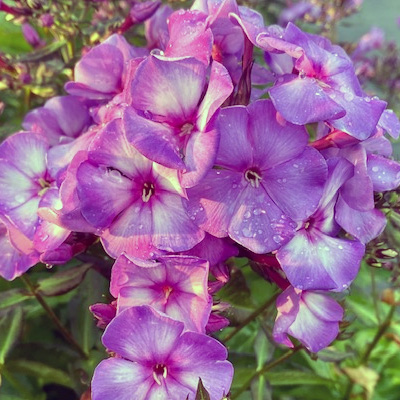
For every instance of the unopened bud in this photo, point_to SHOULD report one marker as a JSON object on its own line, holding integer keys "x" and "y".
{"x": 386, "y": 253}
{"x": 388, "y": 296}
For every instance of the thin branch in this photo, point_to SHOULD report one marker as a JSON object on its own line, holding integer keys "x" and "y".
{"x": 67, "y": 335}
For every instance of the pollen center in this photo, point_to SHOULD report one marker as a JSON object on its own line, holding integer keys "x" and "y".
{"x": 159, "y": 370}
{"x": 147, "y": 191}
{"x": 44, "y": 186}
{"x": 186, "y": 129}
{"x": 253, "y": 176}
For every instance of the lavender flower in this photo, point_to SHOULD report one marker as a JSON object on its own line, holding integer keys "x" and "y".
{"x": 311, "y": 317}
{"x": 157, "y": 361}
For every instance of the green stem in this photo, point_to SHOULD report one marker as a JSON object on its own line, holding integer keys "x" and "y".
{"x": 265, "y": 369}
{"x": 67, "y": 335}
{"x": 251, "y": 317}
{"x": 375, "y": 295}
{"x": 364, "y": 359}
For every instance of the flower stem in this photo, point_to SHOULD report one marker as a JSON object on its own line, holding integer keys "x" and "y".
{"x": 251, "y": 317}
{"x": 264, "y": 369}
{"x": 67, "y": 335}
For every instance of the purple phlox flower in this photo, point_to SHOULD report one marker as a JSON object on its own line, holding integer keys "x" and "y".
{"x": 189, "y": 36}
{"x": 54, "y": 121}
{"x": 159, "y": 361}
{"x": 174, "y": 285}
{"x": 139, "y": 205}
{"x": 24, "y": 179}
{"x": 355, "y": 209}
{"x": 298, "y": 11}
{"x": 156, "y": 28}
{"x": 372, "y": 40}
{"x": 311, "y": 317}
{"x": 266, "y": 179}
{"x": 140, "y": 12}
{"x": 171, "y": 121}
{"x": 31, "y": 36}
{"x": 17, "y": 251}
{"x": 213, "y": 249}
{"x": 315, "y": 259}
{"x": 323, "y": 85}
{"x": 104, "y": 313}
{"x": 100, "y": 74}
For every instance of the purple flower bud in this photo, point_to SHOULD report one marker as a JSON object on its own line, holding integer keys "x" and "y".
{"x": 31, "y": 35}
{"x": 46, "y": 20}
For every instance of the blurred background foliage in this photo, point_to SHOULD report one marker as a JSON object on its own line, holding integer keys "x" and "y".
{"x": 49, "y": 342}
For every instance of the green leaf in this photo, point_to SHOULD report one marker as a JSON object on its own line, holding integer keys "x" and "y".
{"x": 236, "y": 291}
{"x": 294, "y": 377}
{"x": 64, "y": 281}
{"x": 263, "y": 352}
{"x": 12, "y": 297}
{"x": 43, "y": 372}
{"x": 201, "y": 393}
{"x": 10, "y": 327}
{"x": 83, "y": 326}
{"x": 43, "y": 52}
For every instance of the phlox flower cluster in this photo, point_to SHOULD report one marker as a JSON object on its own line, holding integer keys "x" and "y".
{"x": 182, "y": 154}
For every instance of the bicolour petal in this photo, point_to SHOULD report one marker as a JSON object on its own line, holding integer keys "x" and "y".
{"x": 100, "y": 71}
{"x": 103, "y": 193}
{"x": 170, "y": 89}
{"x": 173, "y": 230}
{"x": 362, "y": 114}
{"x": 120, "y": 379}
{"x": 213, "y": 201}
{"x": 364, "y": 225}
{"x": 273, "y": 140}
{"x": 189, "y": 36}
{"x": 315, "y": 333}
{"x": 390, "y": 123}
{"x": 219, "y": 89}
{"x": 287, "y": 304}
{"x": 110, "y": 147}
{"x": 296, "y": 186}
{"x": 315, "y": 261}
{"x": 154, "y": 140}
{"x": 323, "y": 307}
{"x": 201, "y": 150}
{"x": 131, "y": 232}
{"x": 303, "y": 101}
{"x": 199, "y": 356}
{"x": 14, "y": 261}
{"x": 384, "y": 173}
{"x": 25, "y": 216}
{"x": 257, "y": 222}
{"x": 16, "y": 188}
{"x": 142, "y": 335}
